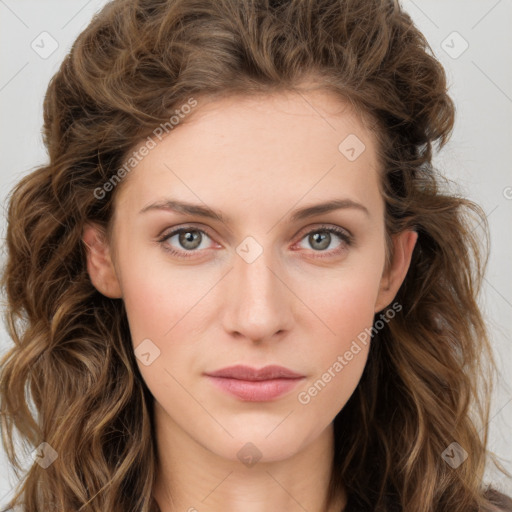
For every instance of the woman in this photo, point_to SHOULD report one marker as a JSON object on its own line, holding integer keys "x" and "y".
{"x": 239, "y": 283}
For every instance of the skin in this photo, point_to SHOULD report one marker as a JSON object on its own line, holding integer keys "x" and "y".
{"x": 255, "y": 160}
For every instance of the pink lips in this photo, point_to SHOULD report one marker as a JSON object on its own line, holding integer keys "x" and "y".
{"x": 255, "y": 385}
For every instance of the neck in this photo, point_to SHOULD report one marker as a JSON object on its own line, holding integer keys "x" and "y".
{"x": 192, "y": 478}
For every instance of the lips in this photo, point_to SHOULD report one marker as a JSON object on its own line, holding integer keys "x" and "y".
{"x": 255, "y": 385}
{"x": 242, "y": 372}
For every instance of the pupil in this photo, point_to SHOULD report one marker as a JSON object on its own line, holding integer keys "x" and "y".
{"x": 322, "y": 239}
{"x": 188, "y": 238}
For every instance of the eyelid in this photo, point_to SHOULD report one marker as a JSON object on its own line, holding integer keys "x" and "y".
{"x": 167, "y": 232}
{"x": 302, "y": 232}
{"x": 320, "y": 226}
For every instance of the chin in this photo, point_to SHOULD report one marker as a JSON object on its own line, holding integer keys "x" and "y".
{"x": 252, "y": 445}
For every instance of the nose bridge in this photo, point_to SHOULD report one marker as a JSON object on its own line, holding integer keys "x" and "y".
{"x": 258, "y": 302}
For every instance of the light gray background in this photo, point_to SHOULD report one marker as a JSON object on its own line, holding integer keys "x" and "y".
{"x": 478, "y": 157}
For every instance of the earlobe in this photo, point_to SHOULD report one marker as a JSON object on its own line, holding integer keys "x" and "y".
{"x": 99, "y": 263}
{"x": 394, "y": 276}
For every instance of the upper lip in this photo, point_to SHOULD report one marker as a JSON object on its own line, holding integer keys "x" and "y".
{"x": 242, "y": 372}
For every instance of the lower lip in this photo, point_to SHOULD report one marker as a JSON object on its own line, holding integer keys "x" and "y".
{"x": 255, "y": 391}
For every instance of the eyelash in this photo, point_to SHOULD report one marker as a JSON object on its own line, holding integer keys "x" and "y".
{"x": 346, "y": 238}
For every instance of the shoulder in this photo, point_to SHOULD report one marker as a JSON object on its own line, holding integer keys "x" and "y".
{"x": 502, "y": 502}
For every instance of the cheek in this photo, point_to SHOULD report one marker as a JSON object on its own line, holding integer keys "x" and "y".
{"x": 339, "y": 360}
{"x": 162, "y": 309}
{"x": 344, "y": 299}
{"x": 150, "y": 311}
{"x": 345, "y": 303}
{"x": 157, "y": 296}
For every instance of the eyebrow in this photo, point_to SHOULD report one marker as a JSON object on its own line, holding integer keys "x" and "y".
{"x": 299, "y": 214}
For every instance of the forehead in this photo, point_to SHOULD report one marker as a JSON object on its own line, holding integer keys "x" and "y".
{"x": 255, "y": 150}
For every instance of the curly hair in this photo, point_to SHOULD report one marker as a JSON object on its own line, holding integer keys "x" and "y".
{"x": 71, "y": 378}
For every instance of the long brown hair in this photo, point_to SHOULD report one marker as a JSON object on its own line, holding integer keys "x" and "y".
{"x": 71, "y": 378}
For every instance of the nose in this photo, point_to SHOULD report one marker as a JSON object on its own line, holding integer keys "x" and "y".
{"x": 259, "y": 305}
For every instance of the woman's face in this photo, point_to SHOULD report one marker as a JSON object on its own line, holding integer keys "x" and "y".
{"x": 275, "y": 282}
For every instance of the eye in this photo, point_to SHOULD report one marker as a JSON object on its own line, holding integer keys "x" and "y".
{"x": 188, "y": 239}
{"x": 321, "y": 238}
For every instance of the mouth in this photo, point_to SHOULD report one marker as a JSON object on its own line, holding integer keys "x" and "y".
{"x": 255, "y": 385}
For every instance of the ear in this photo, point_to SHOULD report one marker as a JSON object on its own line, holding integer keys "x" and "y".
{"x": 99, "y": 263}
{"x": 394, "y": 275}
